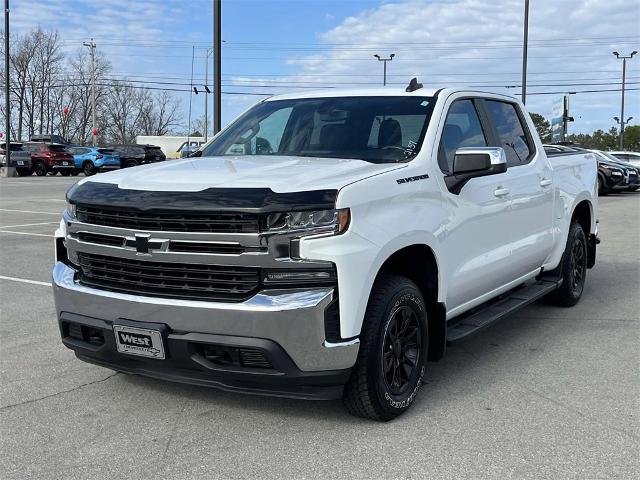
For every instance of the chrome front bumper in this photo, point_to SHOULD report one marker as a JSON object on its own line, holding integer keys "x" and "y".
{"x": 292, "y": 319}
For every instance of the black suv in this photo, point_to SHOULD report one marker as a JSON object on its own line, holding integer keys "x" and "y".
{"x": 133, "y": 154}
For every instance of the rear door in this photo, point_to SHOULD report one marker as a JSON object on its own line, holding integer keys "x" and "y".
{"x": 529, "y": 179}
{"x": 476, "y": 254}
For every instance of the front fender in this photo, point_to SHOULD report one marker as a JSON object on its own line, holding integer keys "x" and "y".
{"x": 358, "y": 261}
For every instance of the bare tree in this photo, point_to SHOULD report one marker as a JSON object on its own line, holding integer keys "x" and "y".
{"x": 160, "y": 116}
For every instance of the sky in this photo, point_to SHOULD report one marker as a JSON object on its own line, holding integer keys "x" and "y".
{"x": 276, "y": 46}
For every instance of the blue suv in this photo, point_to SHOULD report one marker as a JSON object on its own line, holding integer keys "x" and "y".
{"x": 91, "y": 160}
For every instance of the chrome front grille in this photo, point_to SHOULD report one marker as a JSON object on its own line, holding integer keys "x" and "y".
{"x": 137, "y": 254}
{"x": 169, "y": 280}
{"x": 222, "y": 222}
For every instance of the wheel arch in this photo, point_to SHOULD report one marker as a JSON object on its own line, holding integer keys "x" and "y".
{"x": 418, "y": 263}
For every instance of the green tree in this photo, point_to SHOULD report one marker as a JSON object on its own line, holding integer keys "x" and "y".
{"x": 632, "y": 138}
{"x": 542, "y": 126}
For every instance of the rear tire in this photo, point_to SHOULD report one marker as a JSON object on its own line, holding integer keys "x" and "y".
{"x": 130, "y": 163}
{"x": 393, "y": 350}
{"x": 40, "y": 169}
{"x": 574, "y": 269}
{"x": 89, "y": 169}
{"x": 75, "y": 173}
{"x": 53, "y": 173}
{"x": 23, "y": 172}
{"x": 65, "y": 173}
{"x": 633, "y": 189}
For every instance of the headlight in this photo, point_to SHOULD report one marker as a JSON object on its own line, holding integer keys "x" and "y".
{"x": 71, "y": 210}
{"x": 320, "y": 221}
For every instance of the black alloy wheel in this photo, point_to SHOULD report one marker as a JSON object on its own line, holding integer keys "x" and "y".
{"x": 577, "y": 267}
{"x": 572, "y": 270}
{"x": 401, "y": 350}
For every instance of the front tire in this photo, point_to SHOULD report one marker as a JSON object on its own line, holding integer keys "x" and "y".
{"x": 574, "y": 269}
{"x": 89, "y": 169}
{"x": 393, "y": 350}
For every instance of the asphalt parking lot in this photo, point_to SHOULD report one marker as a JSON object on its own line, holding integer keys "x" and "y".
{"x": 549, "y": 393}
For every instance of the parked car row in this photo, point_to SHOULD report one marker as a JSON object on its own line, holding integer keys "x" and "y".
{"x": 615, "y": 171}
{"x": 50, "y": 158}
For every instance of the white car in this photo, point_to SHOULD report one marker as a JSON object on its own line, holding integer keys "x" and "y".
{"x": 632, "y": 157}
{"x": 325, "y": 245}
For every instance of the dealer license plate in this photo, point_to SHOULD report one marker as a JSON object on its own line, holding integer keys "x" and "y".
{"x": 144, "y": 342}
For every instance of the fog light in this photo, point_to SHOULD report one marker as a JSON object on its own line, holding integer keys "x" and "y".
{"x": 293, "y": 277}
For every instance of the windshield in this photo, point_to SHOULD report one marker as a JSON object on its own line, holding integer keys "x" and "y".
{"x": 374, "y": 129}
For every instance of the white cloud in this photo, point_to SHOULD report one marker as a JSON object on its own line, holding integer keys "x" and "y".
{"x": 449, "y": 41}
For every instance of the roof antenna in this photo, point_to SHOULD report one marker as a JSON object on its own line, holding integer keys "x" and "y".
{"x": 413, "y": 85}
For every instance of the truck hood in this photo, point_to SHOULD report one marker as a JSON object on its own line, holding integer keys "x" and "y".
{"x": 280, "y": 174}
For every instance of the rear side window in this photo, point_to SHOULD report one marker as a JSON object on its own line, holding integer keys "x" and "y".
{"x": 510, "y": 130}
{"x": 462, "y": 128}
{"x": 57, "y": 148}
{"x": 105, "y": 151}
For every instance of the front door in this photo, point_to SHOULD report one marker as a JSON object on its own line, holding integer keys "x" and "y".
{"x": 476, "y": 252}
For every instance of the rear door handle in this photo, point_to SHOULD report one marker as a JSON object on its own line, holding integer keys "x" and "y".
{"x": 545, "y": 182}
{"x": 501, "y": 192}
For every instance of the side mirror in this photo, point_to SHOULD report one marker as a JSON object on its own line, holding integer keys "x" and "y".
{"x": 472, "y": 162}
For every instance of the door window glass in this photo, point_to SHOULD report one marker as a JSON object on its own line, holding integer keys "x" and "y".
{"x": 462, "y": 128}
{"x": 513, "y": 138}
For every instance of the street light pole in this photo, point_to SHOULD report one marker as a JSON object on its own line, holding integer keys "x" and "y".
{"x": 385, "y": 60}
{"x": 217, "y": 66}
{"x": 206, "y": 95}
{"x": 624, "y": 75}
{"x": 525, "y": 47}
{"x": 92, "y": 50}
{"x": 7, "y": 133}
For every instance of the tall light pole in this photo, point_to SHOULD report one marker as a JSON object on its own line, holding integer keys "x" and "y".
{"x": 385, "y": 60}
{"x": 525, "y": 46}
{"x": 94, "y": 129}
{"x": 7, "y": 133}
{"x": 206, "y": 96}
{"x": 217, "y": 66}
{"x": 624, "y": 75}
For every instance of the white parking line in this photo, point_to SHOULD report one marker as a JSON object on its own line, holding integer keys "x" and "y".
{"x": 24, "y": 280}
{"x": 28, "y": 225}
{"x": 30, "y": 211}
{"x": 26, "y": 233}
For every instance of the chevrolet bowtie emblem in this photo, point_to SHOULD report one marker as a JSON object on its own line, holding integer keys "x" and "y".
{"x": 142, "y": 243}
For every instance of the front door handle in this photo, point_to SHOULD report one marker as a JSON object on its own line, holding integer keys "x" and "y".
{"x": 545, "y": 182}
{"x": 501, "y": 192}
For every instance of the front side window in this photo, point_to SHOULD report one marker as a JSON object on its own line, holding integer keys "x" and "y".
{"x": 511, "y": 133}
{"x": 462, "y": 128}
{"x": 374, "y": 129}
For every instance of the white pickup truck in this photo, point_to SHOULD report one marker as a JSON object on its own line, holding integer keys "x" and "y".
{"x": 325, "y": 245}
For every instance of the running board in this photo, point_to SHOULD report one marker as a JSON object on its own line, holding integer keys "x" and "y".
{"x": 492, "y": 312}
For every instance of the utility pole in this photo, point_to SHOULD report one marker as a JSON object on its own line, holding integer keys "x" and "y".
{"x": 624, "y": 75}
{"x": 94, "y": 129}
{"x": 525, "y": 47}
{"x": 217, "y": 66}
{"x": 384, "y": 70}
{"x": 7, "y": 133}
